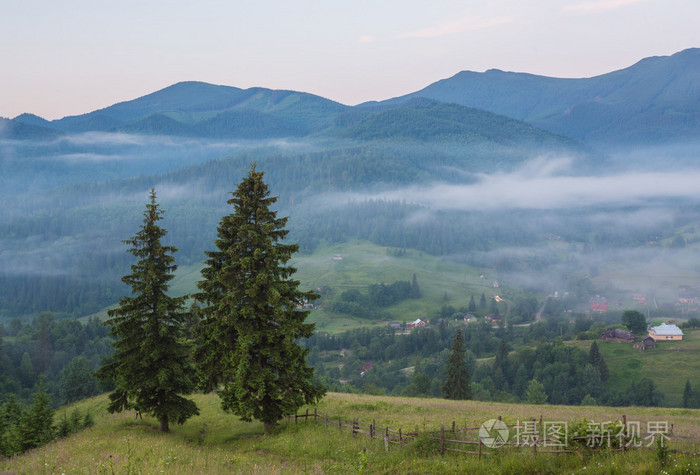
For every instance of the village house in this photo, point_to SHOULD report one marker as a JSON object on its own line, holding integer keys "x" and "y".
{"x": 419, "y": 322}
{"x": 666, "y": 332}
{"x": 599, "y": 304}
{"x": 617, "y": 335}
{"x": 645, "y": 344}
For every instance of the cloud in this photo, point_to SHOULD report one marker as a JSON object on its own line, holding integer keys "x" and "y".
{"x": 544, "y": 188}
{"x": 459, "y": 25}
{"x": 599, "y": 6}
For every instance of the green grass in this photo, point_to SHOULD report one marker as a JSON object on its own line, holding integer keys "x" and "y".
{"x": 216, "y": 442}
{"x": 669, "y": 365}
{"x": 365, "y": 263}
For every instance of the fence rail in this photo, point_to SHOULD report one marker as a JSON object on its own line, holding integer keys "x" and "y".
{"x": 456, "y": 439}
{"x": 371, "y": 429}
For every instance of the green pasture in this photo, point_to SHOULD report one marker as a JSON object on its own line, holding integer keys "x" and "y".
{"x": 216, "y": 442}
{"x": 669, "y": 365}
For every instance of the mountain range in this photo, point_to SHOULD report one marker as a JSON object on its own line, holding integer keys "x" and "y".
{"x": 656, "y": 100}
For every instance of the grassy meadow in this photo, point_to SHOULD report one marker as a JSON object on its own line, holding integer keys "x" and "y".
{"x": 669, "y": 365}
{"x": 364, "y": 263}
{"x": 216, "y": 442}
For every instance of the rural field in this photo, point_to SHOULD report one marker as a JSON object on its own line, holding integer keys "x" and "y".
{"x": 669, "y": 365}
{"x": 364, "y": 263}
{"x": 216, "y": 442}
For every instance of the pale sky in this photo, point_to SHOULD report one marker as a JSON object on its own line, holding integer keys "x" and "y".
{"x": 70, "y": 57}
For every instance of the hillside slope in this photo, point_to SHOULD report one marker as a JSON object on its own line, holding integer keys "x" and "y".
{"x": 215, "y": 442}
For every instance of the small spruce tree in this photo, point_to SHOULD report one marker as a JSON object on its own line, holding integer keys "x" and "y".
{"x": 36, "y": 426}
{"x": 150, "y": 366}
{"x": 597, "y": 360}
{"x": 457, "y": 384}
{"x": 415, "y": 288}
{"x": 687, "y": 394}
{"x": 535, "y": 393}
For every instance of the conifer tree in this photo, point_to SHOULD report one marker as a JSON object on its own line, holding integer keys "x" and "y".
{"x": 687, "y": 394}
{"x": 594, "y": 355}
{"x": 597, "y": 360}
{"x": 150, "y": 366}
{"x": 457, "y": 384}
{"x": 36, "y": 426}
{"x": 535, "y": 393}
{"x": 11, "y": 414}
{"x": 251, "y": 315}
{"x": 415, "y": 288}
{"x": 472, "y": 304}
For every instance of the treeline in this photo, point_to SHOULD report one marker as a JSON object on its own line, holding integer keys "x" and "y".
{"x": 61, "y": 353}
{"x": 358, "y": 304}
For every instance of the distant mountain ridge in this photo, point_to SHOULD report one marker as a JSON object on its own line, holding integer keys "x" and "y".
{"x": 654, "y": 100}
{"x": 195, "y": 109}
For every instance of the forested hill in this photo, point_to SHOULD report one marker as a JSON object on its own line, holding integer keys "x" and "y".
{"x": 654, "y": 100}
{"x": 429, "y": 120}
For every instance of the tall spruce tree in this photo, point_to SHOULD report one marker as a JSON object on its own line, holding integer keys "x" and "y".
{"x": 457, "y": 384}
{"x": 251, "y": 315}
{"x": 150, "y": 366}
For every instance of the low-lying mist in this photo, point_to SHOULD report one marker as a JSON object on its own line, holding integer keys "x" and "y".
{"x": 543, "y": 227}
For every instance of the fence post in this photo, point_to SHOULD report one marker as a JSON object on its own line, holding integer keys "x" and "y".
{"x": 307, "y": 414}
{"x": 296, "y": 416}
{"x": 480, "y": 448}
{"x": 400, "y": 437}
{"x": 340, "y": 425}
{"x": 315, "y": 414}
{"x": 442, "y": 440}
{"x": 623, "y": 442}
{"x": 453, "y": 428}
{"x": 326, "y": 419}
{"x": 371, "y": 430}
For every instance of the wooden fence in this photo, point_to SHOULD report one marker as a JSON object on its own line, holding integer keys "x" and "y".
{"x": 467, "y": 440}
{"x": 370, "y": 429}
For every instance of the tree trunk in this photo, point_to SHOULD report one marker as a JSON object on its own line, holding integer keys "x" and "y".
{"x": 164, "y": 424}
{"x": 269, "y": 426}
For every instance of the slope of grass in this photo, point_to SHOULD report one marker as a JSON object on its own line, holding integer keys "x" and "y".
{"x": 215, "y": 442}
{"x": 669, "y": 365}
{"x": 365, "y": 263}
